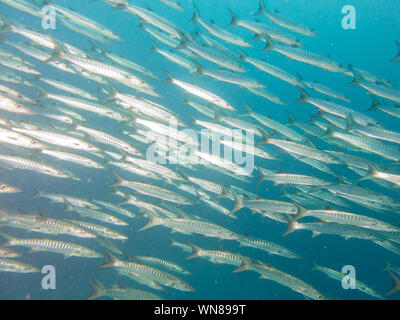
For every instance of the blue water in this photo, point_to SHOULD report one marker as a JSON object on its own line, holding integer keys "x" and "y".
{"x": 369, "y": 47}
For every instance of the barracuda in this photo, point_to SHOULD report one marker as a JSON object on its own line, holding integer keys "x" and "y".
{"x": 333, "y": 274}
{"x": 18, "y": 139}
{"x": 147, "y": 272}
{"x": 95, "y": 214}
{"x": 17, "y": 65}
{"x": 115, "y": 208}
{"x": 38, "y": 37}
{"x": 192, "y": 226}
{"x": 61, "y": 198}
{"x": 153, "y": 18}
{"x": 43, "y": 224}
{"x": 16, "y": 266}
{"x": 98, "y": 68}
{"x": 347, "y": 218}
{"x": 305, "y": 56}
{"x": 150, "y": 190}
{"x": 218, "y": 257}
{"x": 336, "y": 109}
{"x": 263, "y": 205}
{"x": 46, "y": 245}
{"x": 69, "y": 88}
{"x": 370, "y": 145}
{"x": 86, "y": 22}
{"x": 272, "y": 70}
{"x": 98, "y": 230}
{"x": 201, "y": 93}
{"x": 26, "y": 164}
{"x": 58, "y": 139}
{"x": 178, "y": 59}
{"x": 265, "y": 29}
{"x": 89, "y": 106}
{"x": 343, "y": 230}
{"x": 103, "y": 137}
{"x": 375, "y": 88}
{"x": 70, "y": 157}
{"x": 300, "y": 149}
{"x": 119, "y": 292}
{"x": 212, "y": 55}
{"x": 13, "y": 106}
{"x": 217, "y": 31}
{"x": 270, "y": 247}
{"x": 285, "y": 22}
{"x": 5, "y": 253}
{"x": 162, "y": 263}
{"x": 271, "y": 273}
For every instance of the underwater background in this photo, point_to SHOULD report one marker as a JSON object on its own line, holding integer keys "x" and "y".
{"x": 370, "y": 47}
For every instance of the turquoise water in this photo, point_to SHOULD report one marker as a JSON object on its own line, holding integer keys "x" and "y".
{"x": 369, "y": 47}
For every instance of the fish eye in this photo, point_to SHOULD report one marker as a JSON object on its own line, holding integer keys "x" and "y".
{"x": 19, "y": 106}
{"x": 3, "y": 187}
{"x": 34, "y": 141}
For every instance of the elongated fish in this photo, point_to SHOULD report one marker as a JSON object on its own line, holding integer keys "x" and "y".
{"x": 47, "y": 245}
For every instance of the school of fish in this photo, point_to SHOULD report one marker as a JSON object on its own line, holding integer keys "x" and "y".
{"x": 49, "y": 122}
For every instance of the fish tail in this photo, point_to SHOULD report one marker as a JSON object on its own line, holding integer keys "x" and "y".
{"x": 395, "y": 286}
{"x": 246, "y": 264}
{"x": 397, "y": 58}
{"x": 226, "y": 192}
{"x": 291, "y": 226}
{"x": 37, "y": 193}
{"x": 314, "y": 267}
{"x": 304, "y": 96}
{"x": 118, "y": 181}
{"x": 388, "y": 266}
{"x": 234, "y": 19}
{"x": 152, "y": 222}
{"x": 242, "y": 55}
{"x": 111, "y": 97}
{"x": 199, "y": 69}
{"x": 110, "y": 260}
{"x": 269, "y": 43}
{"x": 7, "y": 23}
{"x": 375, "y": 104}
{"x": 195, "y": 251}
{"x": 171, "y": 242}
{"x": 327, "y": 134}
{"x": 301, "y": 212}
{"x": 372, "y": 170}
{"x": 249, "y": 112}
{"x": 292, "y": 121}
{"x": 196, "y": 14}
{"x": 261, "y": 8}
{"x": 97, "y": 290}
{"x": 57, "y": 51}
{"x": 7, "y": 239}
{"x": 169, "y": 77}
{"x": 238, "y": 202}
{"x": 42, "y": 93}
{"x": 357, "y": 78}
{"x": 265, "y": 137}
{"x": 261, "y": 177}
{"x": 184, "y": 42}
